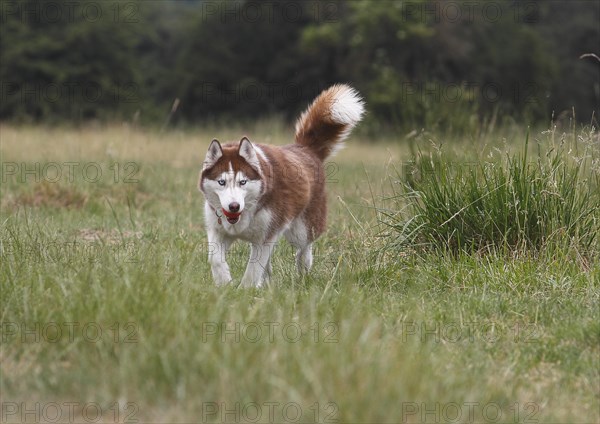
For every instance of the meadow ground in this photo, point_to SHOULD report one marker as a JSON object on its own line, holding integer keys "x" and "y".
{"x": 108, "y": 312}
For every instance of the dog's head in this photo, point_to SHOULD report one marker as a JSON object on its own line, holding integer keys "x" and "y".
{"x": 231, "y": 178}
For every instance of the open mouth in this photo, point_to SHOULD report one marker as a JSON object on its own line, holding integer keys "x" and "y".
{"x": 232, "y": 217}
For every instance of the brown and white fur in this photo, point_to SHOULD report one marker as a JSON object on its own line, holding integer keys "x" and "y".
{"x": 258, "y": 193}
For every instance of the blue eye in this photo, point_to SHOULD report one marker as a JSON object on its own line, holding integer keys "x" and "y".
{"x": 221, "y": 182}
{"x": 243, "y": 182}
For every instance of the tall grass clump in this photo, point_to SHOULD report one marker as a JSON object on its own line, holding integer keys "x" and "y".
{"x": 516, "y": 202}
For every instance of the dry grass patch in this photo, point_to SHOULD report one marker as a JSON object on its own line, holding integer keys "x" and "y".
{"x": 47, "y": 194}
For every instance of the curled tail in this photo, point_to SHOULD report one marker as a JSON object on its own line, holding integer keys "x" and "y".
{"x": 329, "y": 120}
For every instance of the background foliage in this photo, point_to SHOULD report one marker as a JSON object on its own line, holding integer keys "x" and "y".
{"x": 75, "y": 61}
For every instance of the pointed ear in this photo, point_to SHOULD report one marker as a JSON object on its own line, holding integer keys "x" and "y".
{"x": 214, "y": 153}
{"x": 247, "y": 151}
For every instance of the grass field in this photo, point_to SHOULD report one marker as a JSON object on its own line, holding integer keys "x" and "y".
{"x": 109, "y": 314}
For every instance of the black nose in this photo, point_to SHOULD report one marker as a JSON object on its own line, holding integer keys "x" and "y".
{"x": 234, "y": 207}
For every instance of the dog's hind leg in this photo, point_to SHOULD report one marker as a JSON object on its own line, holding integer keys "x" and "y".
{"x": 268, "y": 270}
{"x": 304, "y": 259}
{"x": 297, "y": 235}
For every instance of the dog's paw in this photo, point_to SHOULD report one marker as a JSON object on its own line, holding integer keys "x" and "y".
{"x": 222, "y": 283}
{"x": 221, "y": 277}
{"x": 249, "y": 283}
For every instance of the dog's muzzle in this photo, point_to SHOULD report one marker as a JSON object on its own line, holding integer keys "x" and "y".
{"x": 232, "y": 217}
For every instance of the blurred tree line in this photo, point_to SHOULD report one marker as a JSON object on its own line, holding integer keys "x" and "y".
{"x": 440, "y": 64}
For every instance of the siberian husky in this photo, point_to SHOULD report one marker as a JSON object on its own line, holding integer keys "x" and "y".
{"x": 258, "y": 193}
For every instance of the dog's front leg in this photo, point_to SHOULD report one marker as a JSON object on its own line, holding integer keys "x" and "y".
{"x": 258, "y": 265}
{"x": 217, "y": 250}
